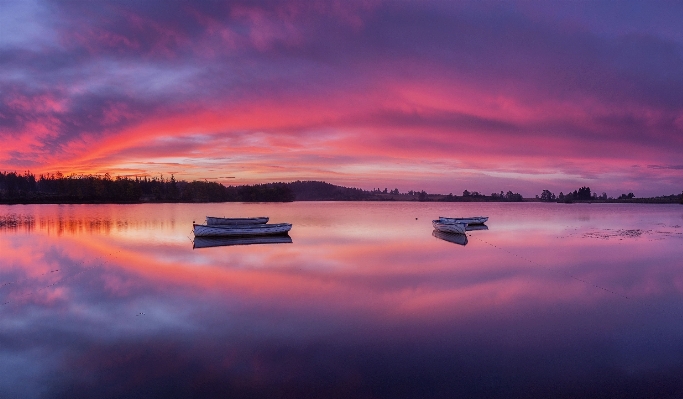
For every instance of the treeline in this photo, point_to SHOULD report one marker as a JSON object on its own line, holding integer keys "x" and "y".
{"x": 467, "y": 196}
{"x": 581, "y": 194}
{"x": 56, "y": 188}
{"x": 586, "y": 195}
{"x": 475, "y": 196}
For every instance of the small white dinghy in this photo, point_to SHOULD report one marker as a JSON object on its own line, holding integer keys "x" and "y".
{"x": 241, "y": 230}
{"x": 456, "y": 228}
{"x": 469, "y": 220}
{"x": 213, "y": 221}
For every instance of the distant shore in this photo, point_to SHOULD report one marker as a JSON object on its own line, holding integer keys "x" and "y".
{"x": 374, "y": 198}
{"x": 58, "y": 189}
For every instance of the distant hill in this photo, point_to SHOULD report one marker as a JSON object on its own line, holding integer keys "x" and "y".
{"x": 321, "y": 191}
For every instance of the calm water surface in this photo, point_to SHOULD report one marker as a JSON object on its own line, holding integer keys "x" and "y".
{"x": 552, "y": 300}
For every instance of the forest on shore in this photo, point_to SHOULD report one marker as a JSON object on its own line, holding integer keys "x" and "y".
{"x": 584, "y": 194}
{"x": 56, "y": 188}
{"x": 75, "y": 189}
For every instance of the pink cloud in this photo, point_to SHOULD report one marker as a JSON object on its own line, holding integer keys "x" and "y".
{"x": 376, "y": 93}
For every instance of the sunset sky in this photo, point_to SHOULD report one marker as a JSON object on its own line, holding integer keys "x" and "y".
{"x": 440, "y": 96}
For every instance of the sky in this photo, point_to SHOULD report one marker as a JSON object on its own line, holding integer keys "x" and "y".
{"x": 436, "y": 96}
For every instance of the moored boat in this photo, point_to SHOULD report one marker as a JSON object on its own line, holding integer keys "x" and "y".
{"x": 468, "y": 220}
{"x": 241, "y": 230}
{"x": 456, "y": 228}
{"x": 213, "y": 221}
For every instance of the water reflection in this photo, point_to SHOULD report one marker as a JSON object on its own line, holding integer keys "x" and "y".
{"x": 207, "y": 242}
{"x": 71, "y": 222}
{"x": 460, "y": 239}
{"x": 551, "y": 301}
{"x": 14, "y": 221}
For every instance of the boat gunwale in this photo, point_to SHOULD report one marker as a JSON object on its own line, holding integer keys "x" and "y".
{"x": 220, "y": 221}
{"x": 243, "y": 226}
{"x": 469, "y": 220}
{"x": 449, "y": 227}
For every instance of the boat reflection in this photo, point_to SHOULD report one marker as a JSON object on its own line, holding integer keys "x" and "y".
{"x": 476, "y": 227}
{"x": 460, "y": 239}
{"x": 207, "y": 242}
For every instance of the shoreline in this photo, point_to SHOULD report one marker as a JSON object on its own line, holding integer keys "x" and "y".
{"x": 525, "y": 200}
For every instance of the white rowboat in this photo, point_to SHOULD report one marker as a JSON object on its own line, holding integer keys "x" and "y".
{"x": 241, "y": 230}
{"x": 457, "y": 228}
{"x": 213, "y": 221}
{"x": 469, "y": 220}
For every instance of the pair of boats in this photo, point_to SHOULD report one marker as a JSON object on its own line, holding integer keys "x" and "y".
{"x": 259, "y": 227}
{"x": 458, "y": 225}
{"x": 239, "y": 227}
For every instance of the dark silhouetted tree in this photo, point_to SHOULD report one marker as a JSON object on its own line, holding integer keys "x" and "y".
{"x": 546, "y": 195}
{"x": 584, "y": 193}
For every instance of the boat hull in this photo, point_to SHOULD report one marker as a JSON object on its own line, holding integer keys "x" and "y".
{"x": 455, "y": 228}
{"x": 469, "y": 220}
{"x": 216, "y": 221}
{"x": 201, "y": 230}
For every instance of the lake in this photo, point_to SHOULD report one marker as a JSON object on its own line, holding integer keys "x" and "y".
{"x": 553, "y": 300}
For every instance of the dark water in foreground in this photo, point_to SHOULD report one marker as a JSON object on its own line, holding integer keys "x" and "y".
{"x": 553, "y": 300}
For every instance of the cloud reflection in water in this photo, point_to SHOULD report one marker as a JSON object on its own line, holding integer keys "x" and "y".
{"x": 116, "y": 303}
